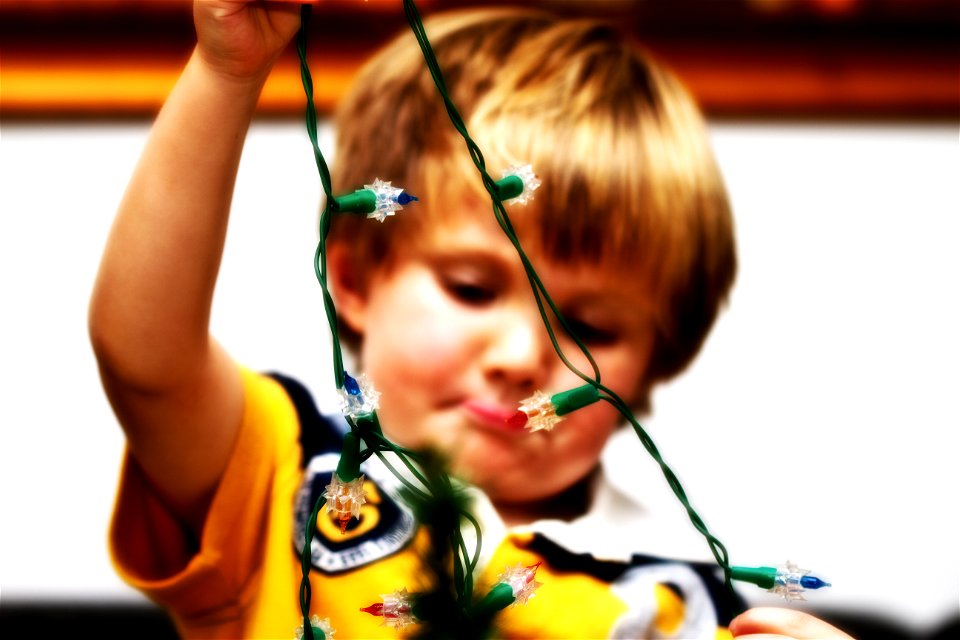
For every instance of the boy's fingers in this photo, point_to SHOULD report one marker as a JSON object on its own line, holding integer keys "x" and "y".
{"x": 783, "y": 622}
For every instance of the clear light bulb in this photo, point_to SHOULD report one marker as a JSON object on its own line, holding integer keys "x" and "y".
{"x": 377, "y": 200}
{"x": 522, "y": 581}
{"x": 396, "y": 609}
{"x": 389, "y": 199}
{"x": 344, "y": 499}
{"x": 358, "y": 397}
{"x": 791, "y": 581}
{"x": 788, "y": 582}
{"x": 537, "y": 413}
{"x": 542, "y": 412}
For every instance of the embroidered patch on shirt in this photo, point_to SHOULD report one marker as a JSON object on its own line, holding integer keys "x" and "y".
{"x": 385, "y": 525}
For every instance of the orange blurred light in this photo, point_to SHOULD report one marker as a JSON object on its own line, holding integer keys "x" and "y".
{"x": 836, "y": 7}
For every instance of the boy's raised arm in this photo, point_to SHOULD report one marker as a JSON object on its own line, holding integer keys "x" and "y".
{"x": 175, "y": 391}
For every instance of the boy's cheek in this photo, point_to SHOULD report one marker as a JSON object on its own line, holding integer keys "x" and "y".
{"x": 597, "y": 421}
{"x": 422, "y": 352}
{"x": 432, "y": 346}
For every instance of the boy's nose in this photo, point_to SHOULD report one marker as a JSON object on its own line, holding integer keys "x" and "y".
{"x": 519, "y": 351}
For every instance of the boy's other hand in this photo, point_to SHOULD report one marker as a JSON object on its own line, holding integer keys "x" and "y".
{"x": 241, "y": 39}
{"x": 769, "y": 622}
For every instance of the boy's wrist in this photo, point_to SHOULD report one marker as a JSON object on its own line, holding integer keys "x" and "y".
{"x": 227, "y": 80}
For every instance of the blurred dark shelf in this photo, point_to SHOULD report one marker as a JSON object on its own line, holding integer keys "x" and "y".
{"x": 755, "y": 58}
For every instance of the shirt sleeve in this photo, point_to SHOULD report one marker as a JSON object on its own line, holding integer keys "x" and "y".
{"x": 154, "y": 553}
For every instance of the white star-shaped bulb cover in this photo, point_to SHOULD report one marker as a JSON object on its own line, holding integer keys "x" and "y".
{"x": 387, "y": 199}
{"x": 360, "y": 398}
{"x": 398, "y": 609}
{"x": 530, "y": 182}
{"x": 541, "y": 414}
{"x": 323, "y": 624}
{"x": 344, "y": 499}
{"x": 522, "y": 581}
{"x": 787, "y": 582}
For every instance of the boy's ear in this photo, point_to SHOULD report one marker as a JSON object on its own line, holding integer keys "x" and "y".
{"x": 347, "y": 287}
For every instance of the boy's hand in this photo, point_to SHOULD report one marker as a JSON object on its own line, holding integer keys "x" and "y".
{"x": 241, "y": 39}
{"x": 768, "y": 622}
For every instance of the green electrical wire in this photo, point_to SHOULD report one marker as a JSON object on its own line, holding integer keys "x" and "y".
{"x": 376, "y": 443}
{"x": 542, "y": 297}
{"x": 330, "y": 203}
{"x": 465, "y": 564}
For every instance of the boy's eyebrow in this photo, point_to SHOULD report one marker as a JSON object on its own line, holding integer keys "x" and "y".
{"x": 483, "y": 256}
{"x": 608, "y": 304}
{"x": 609, "y": 298}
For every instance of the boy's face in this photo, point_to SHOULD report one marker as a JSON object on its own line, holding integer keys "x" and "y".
{"x": 453, "y": 340}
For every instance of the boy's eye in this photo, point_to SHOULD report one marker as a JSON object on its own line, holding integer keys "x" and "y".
{"x": 470, "y": 292}
{"x": 593, "y": 334}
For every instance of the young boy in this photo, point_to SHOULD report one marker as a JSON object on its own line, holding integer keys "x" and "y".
{"x": 631, "y": 234}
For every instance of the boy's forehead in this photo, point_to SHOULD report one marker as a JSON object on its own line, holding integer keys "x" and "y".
{"x": 472, "y": 222}
{"x": 532, "y": 226}
{"x": 568, "y": 236}
{"x": 472, "y": 232}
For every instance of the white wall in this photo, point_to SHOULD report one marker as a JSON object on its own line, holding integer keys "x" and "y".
{"x": 819, "y": 424}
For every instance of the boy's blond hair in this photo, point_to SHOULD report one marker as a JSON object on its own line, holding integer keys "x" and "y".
{"x": 629, "y": 178}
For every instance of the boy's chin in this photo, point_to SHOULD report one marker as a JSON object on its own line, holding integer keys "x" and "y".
{"x": 510, "y": 489}
{"x": 567, "y": 504}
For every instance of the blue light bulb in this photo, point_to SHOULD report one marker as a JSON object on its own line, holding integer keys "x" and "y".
{"x": 812, "y": 582}
{"x": 350, "y": 385}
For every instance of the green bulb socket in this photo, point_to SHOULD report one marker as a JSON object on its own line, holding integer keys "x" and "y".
{"x": 764, "y": 577}
{"x": 569, "y": 401}
{"x": 360, "y": 201}
{"x": 498, "y": 598}
{"x": 348, "y": 468}
{"x": 368, "y": 422}
{"x": 509, "y": 187}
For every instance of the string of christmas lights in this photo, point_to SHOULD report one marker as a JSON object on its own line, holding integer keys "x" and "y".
{"x": 542, "y": 298}
{"x": 344, "y": 495}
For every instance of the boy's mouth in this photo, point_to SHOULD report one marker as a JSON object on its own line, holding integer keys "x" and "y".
{"x": 491, "y": 416}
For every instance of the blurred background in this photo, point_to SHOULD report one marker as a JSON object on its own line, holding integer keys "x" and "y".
{"x": 819, "y": 425}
